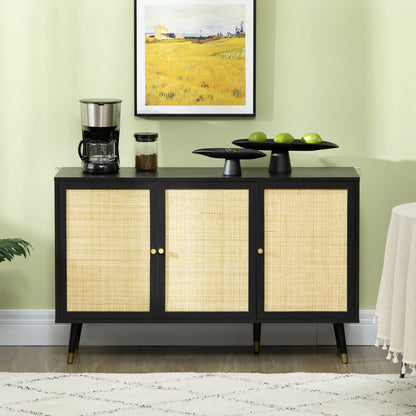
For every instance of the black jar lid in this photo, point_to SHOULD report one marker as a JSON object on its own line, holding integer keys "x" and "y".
{"x": 146, "y": 137}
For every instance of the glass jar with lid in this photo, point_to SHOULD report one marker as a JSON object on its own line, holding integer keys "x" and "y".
{"x": 146, "y": 151}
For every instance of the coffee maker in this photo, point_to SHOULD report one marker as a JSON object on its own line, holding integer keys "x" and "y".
{"x": 100, "y": 122}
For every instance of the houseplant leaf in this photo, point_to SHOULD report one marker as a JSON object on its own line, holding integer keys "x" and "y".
{"x": 10, "y": 247}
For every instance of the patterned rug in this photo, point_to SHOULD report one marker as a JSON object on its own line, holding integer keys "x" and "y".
{"x": 202, "y": 394}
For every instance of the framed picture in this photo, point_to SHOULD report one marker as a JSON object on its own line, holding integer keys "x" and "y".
{"x": 195, "y": 57}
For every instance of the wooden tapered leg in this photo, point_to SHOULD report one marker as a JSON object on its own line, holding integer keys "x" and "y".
{"x": 78, "y": 335}
{"x": 74, "y": 338}
{"x": 256, "y": 337}
{"x": 340, "y": 339}
{"x": 337, "y": 340}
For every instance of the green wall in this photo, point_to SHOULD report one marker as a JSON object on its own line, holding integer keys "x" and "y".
{"x": 343, "y": 68}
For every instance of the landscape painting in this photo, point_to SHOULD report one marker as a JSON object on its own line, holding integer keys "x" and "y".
{"x": 194, "y": 57}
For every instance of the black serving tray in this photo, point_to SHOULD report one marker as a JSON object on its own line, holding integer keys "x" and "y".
{"x": 279, "y": 159}
{"x": 232, "y": 156}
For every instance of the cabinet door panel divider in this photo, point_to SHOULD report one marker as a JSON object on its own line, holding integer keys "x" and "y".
{"x": 156, "y": 261}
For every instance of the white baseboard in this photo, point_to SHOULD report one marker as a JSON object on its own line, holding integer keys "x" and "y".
{"x": 37, "y": 327}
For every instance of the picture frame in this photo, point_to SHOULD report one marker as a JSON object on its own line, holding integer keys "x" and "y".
{"x": 194, "y": 57}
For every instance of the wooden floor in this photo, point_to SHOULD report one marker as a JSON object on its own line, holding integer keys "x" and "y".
{"x": 362, "y": 359}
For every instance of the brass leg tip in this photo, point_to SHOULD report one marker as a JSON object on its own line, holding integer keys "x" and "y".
{"x": 344, "y": 358}
{"x": 256, "y": 347}
{"x": 70, "y": 357}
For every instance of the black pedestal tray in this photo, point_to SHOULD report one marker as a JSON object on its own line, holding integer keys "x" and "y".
{"x": 232, "y": 157}
{"x": 279, "y": 159}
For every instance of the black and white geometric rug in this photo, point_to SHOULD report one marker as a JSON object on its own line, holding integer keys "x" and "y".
{"x": 206, "y": 394}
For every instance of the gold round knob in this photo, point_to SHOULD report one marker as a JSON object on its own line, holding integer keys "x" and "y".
{"x": 153, "y": 251}
{"x": 260, "y": 251}
{"x": 161, "y": 251}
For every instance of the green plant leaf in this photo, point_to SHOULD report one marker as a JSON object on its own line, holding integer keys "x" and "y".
{"x": 10, "y": 247}
{"x": 5, "y": 255}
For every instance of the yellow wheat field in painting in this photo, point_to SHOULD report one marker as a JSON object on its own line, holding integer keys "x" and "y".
{"x": 181, "y": 72}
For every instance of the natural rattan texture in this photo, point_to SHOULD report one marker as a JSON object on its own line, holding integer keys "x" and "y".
{"x": 305, "y": 249}
{"x": 207, "y": 250}
{"x": 108, "y": 250}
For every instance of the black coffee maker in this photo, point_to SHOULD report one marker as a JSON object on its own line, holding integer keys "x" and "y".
{"x": 98, "y": 149}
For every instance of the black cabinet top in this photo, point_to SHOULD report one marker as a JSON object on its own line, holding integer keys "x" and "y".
{"x": 130, "y": 174}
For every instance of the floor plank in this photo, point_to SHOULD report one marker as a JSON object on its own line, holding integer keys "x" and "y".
{"x": 362, "y": 359}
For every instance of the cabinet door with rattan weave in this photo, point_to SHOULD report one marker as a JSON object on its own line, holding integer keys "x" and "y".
{"x": 305, "y": 250}
{"x": 207, "y": 243}
{"x": 108, "y": 250}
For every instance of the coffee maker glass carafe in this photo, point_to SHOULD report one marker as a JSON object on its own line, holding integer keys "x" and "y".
{"x": 98, "y": 148}
{"x": 101, "y": 153}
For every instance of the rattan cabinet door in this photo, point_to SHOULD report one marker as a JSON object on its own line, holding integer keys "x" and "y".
{"x": 305, "y": 250}
{"x": 207, "y": 250}
{"x": 108, "y": 250}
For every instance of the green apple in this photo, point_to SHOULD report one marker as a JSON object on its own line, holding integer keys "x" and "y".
{"x": 284, "y": 138}
{"x": 257, "y": 136}
{"x": 313, "y": 138}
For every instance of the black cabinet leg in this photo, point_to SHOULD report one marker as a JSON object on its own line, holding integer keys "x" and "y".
{"x": 340, "y": 339}
{"x": 256, "y": 337}
{"x": 74, "y": 338}
{"x": 78, "y": 335}
{"x": 337, "y": 340}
